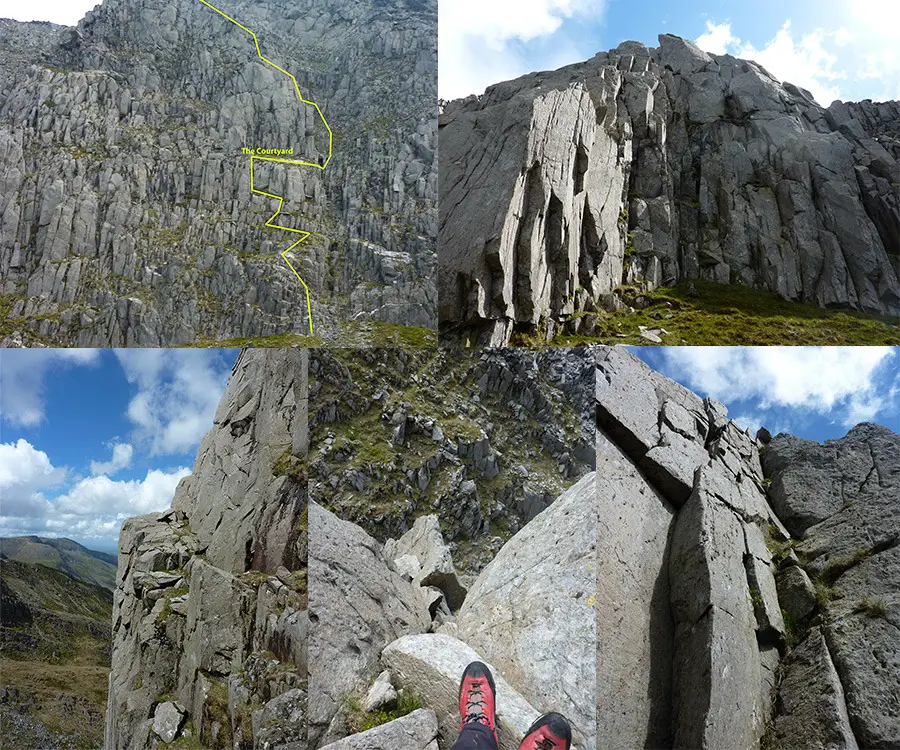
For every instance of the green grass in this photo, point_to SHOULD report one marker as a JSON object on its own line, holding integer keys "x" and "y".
{"x": 279, "y": 340}
{"x": 359, "y": 720}
{"x": 734, "y": 315}
{"x": 289, "y": 465}
{"x": 779, "y": 549}
{"x": 835, "y": 568}
{"x": 407, "y": 337}
{"x": 57, "y": 664}
{"x": 825, "y": 593}
{"x": 793, "y": 633}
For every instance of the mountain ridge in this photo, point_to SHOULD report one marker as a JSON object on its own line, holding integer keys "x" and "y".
{"x": 66, "y": 555}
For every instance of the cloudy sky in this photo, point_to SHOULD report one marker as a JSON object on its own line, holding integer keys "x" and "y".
{"x": 91, "y": 437}
{"x": 817, "y": 393}
{"x": 838, "y": 49}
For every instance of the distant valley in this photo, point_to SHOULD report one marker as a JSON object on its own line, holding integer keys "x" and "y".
{"x": 55, "y": 643}
{"x": 81, "y": 563}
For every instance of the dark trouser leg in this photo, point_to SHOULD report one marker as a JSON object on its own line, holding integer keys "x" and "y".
{"x": 475, "y": 737}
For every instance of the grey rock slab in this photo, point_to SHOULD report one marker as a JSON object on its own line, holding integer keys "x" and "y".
{"x": 432, "y": 665}
{"x": 381, "y": 693}
{"x": 657, "y": 422}
{"x": 795, "y": 592}
{"x": 415, "y": 731}
{"x": 635, "y": 630}
{"x": 813, "y": 712}
{"x": 862, "y": 633}
{"x": 537, "y": 596}
{"x": 357, "y": 605}
{"x": 717, "y": 668}
{"x": 167, "y": 720}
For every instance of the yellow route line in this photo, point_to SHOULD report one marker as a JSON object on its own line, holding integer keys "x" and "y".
{"x": 299, "y": 162}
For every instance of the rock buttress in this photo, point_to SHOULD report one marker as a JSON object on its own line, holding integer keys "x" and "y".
{"x": 209, "y": 621}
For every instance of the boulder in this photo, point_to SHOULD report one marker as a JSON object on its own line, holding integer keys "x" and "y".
{"x": 424, "y": 543}
{"x": 432, "y": 665}
{"x": 531, "y": 610}
{"x": 168, "y": 719}
{"x": 415, "y": 731}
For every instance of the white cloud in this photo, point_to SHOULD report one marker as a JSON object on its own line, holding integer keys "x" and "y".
{"x": 94, "y": 508}
{"x": 853, "y": 55}
{"x": 67, "y": 12}
{"x": 821, "y": 379}
{"x": 103, "y": 497}
{"x": 474, "y": 39}
{"x": 717, "y": 39}
{"x": 25, "y": 472}
{"x": 121, "y": 459}
{"x": 178, "y": 392}
{"x": 801, "y": 59}
{"x": 22, "y": 374}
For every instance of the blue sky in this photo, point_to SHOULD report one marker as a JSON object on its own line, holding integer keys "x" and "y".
{"x": 817, "y": 393}
{"x": 91, "y": 437}
{"x": 836, "y": 49}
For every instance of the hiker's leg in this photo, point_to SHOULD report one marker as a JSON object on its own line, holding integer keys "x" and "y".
{"x": 475, "y": 737}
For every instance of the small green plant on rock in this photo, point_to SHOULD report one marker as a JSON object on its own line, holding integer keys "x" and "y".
{"x": 872, "y": 606}
{"x": 780, "y": 549}
{"x": 793, "y": 633}
{"x": 825, "y": 593}
{"x": 836, "y": 567}
{"x": 359, "y": 720}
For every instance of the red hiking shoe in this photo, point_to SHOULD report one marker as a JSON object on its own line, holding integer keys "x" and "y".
{"x": 477, "y": 697}
{"x": 549, "y": 732}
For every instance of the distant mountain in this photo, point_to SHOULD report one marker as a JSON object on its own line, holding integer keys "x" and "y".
{"x": 79, "y": 562}
{"x": 55, "y": 645}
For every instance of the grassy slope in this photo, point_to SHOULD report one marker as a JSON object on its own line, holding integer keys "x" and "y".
{"x": 65, "y": 555}
{"x": 735, "y": 315}
{"x": 55, "y": 668}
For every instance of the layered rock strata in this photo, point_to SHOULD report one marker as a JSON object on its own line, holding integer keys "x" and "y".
{"x": 652, "y": 165}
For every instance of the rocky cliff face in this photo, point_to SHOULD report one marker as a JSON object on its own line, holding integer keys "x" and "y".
{"x": 652, "y": 165}
{"x": 741, "y": 602}
{"x": 209, "y": 620}
{"x": 126, "y": 216}
{"x": 700, "y": 589}
{"x": 485, "y": 440}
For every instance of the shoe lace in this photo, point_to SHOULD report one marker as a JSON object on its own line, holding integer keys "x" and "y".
{"x": 475, "y": 705}
{"x": 544, "y": 743}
